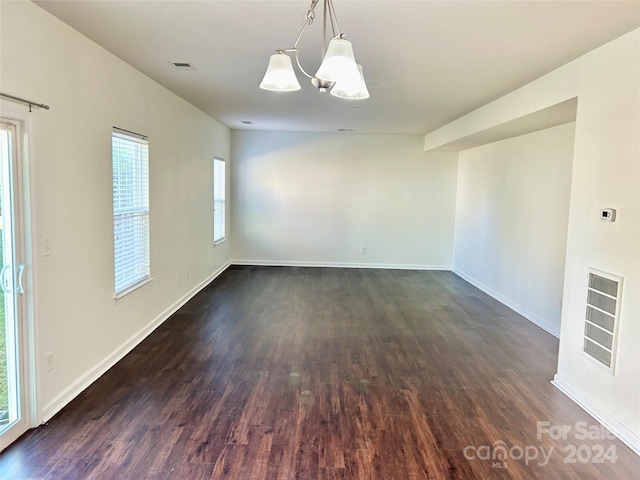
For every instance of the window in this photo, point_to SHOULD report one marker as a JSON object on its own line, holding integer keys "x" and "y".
{"x": 218, "y": 200}
{"x": 130, "y": 155}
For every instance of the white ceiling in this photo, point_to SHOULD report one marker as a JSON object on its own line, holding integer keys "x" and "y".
{"x": 426, "y": 63}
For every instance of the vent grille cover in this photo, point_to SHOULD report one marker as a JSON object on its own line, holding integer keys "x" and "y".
{"x": 183, "y": 65}
{"x": 601, "y": 319}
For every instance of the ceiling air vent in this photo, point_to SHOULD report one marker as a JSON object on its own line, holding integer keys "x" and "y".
{"x": 183, "y": 66}
{"x": 601, "y": 320}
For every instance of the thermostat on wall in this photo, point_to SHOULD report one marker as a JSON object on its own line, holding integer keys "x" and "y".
{"x": 608, "y": 215}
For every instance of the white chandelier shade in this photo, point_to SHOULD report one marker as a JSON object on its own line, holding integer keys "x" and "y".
{"x": 351, "y": 90}
{"x": 280, "y": 76}
{"x": 339, "y": 64}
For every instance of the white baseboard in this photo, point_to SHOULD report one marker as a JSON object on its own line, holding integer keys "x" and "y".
{"x": 384, "y": 266}
{"x": 91, "y": 375}
{"x": 553, "y": 330}
{"x": 623, "y": 434}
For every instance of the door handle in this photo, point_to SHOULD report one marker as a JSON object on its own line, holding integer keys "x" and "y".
{"x": 6, "y": 288}
{"x": 20, "y": 272}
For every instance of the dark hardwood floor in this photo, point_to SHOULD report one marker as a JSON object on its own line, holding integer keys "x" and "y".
{"x": 299, "y": 373}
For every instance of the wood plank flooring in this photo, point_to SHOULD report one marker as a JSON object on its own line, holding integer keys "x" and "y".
{"x": 299, "y": 373}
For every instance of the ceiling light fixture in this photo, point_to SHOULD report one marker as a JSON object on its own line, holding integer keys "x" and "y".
{"x": 338, "y": 73}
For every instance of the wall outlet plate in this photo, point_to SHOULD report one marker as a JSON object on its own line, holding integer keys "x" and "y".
{"x": 50, "y": 363}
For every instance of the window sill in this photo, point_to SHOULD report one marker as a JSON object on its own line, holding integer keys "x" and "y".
{"x": 120, "y": 295}
{"x": 218, "y": 242}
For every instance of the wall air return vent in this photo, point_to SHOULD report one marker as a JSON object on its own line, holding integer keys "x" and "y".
{"x": 601, "y": 321}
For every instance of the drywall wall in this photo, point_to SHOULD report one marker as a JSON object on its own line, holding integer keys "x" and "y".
{"x": 90, "y": 91}
{"x": 605, "y": 173}
{"x": 512, "y": 213}
{"x": 317, "y": 198}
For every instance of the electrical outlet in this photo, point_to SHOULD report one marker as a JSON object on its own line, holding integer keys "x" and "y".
{"x": 179, "y": 279}
{"x": 560, "y": 304}
{"x": 49, "y": 361}
{"x": 363, "y": 250}
{"x": 188, "y": 273}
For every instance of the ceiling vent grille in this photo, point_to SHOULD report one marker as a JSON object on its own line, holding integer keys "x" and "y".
{"x": 183, "y": 66}
{"x": 601, "y": 319}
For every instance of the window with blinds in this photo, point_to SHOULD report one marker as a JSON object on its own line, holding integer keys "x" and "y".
{"x": 219, "y": 200}
{"x": 130, "y": 155}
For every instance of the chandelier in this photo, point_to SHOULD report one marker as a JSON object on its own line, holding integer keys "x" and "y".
{"x": 338, "y": 73}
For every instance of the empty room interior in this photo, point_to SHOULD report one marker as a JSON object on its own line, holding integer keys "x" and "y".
{"x": 333, "y": 239}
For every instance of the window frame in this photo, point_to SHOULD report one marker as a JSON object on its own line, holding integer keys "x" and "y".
{"x": 217, "y": 161}
{"x": 132, "y": 213}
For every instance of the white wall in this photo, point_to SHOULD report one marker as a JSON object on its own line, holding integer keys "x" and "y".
{"x": 606, "y": 173}
{"x": 90, "y": 91}
{"x": 315, "y": 199}
{"x": 512, "y": 212}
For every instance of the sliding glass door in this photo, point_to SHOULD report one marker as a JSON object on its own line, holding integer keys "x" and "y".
{"x": 13, "y": 414}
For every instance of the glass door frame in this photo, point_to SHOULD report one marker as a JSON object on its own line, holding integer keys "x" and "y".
{"x": 25, "y": 327}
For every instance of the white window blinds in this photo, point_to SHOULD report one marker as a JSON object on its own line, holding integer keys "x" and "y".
{"x": 130, "y": 155}
{"x": 219, "y": 200}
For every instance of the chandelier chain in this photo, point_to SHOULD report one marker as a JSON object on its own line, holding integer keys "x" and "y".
{"x": 310, "y": 16}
